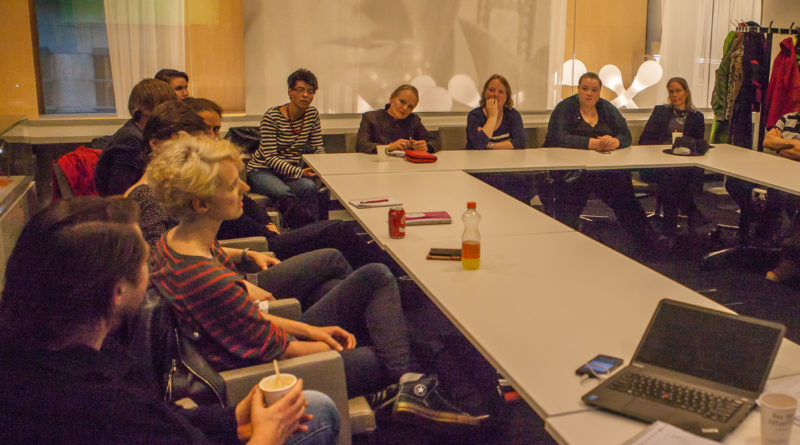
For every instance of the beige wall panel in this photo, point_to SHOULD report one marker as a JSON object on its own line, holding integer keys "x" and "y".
{"x": 607, "y": 32}
{"x": 215, "y": 52}
{"x": 18, "y": 90}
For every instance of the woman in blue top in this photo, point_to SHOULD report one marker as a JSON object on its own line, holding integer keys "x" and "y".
{"x": 497, "y": 125}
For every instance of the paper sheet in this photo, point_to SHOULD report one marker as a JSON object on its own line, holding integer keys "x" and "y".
{"x": 660, "y": 433}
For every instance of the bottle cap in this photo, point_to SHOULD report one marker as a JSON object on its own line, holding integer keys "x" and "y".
{"x": 471, "y": 204}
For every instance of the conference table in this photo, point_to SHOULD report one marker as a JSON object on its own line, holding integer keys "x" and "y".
{"x": 546, "y": 298}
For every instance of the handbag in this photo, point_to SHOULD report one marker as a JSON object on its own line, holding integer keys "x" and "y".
{"x": 690, "y": 146}
{"x": 246, "y": 137}
{"x": 420, "y": 157}
{"x": 175, "y": 366}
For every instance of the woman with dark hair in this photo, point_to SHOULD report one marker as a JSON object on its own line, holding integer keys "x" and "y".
{"x": 197, "y": 180}
{"x": 177, "y": 80}
{"x": 586, "y": 121}
{"x": 79, "y": 268}
{"x": 336, "y": 234}
{"x": 497, "y": 125}
{"x": 287, "y": 132}
{"x": 167, "y": 119}
{"x": 677, "y": 187}
{"x": 395, "y": 125}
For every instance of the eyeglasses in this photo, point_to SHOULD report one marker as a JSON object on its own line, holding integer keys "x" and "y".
{"x": 301, "y": 91}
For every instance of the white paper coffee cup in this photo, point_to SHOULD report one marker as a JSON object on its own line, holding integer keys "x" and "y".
{"x": 777, "y": 418}
{"x": 383, "y": 152}
{"x": 273, "y": 390}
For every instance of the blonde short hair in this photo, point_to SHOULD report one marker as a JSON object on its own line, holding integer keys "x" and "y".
{"x": 187, "y": 167}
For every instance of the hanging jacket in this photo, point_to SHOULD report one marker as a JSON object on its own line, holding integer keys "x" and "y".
{"x": 78, "y": 167}
{"x": 719, "y": 97}
{"x": 783, "y": 93}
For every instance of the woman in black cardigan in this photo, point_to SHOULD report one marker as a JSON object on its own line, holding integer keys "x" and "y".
{"x": 677, "y": 187}
{"x": 395, "y": 125}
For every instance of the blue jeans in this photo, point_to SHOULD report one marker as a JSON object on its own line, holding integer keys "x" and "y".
{"x": 323, "y": 429}
{"x": 266, "y": 182}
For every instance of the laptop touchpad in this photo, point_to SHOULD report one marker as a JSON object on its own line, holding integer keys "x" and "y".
{"x": 645, "y": 409}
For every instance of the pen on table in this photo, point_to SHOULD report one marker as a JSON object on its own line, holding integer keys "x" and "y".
{"x": 374, "y": 201}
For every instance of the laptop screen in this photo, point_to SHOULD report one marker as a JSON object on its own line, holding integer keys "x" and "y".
{"x": 724, "y": 348}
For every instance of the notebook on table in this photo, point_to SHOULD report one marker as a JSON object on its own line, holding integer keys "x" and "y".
{"x": 696, "y": 368}
{"x": 423, "y": 218}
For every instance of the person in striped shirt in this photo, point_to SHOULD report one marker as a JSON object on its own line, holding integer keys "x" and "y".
{"x": 784, "y": 140}
{"x": 197, "y": 180}
{"x": 287, "y": 132}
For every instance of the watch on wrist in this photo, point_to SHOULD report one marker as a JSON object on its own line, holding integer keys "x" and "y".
{"x": 490, "y": 144}
{"x": 244, "y": 255}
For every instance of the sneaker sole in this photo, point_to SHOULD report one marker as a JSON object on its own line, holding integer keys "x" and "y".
{"x": 412, "y": 412}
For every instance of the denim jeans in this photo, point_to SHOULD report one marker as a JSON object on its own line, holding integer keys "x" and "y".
{"x": 323, "y": 428}
{"x": 266, "y": 182}
{"x": 365, "y": 302}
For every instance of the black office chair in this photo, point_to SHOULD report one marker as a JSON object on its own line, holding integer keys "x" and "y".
{"x": 747, "y": 250}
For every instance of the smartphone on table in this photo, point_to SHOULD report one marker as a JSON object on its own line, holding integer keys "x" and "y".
{"x": 600, "y": 365}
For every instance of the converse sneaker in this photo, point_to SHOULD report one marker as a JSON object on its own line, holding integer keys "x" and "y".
{"x": 421, "y": 400}
{"x": 384, "y": 398}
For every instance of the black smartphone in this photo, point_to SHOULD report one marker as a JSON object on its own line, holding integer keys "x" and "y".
{"x": 438, "y": 251}
{"x": 600, "y": 365}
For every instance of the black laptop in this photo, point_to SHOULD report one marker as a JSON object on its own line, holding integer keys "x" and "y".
{"x": 696, "y": 368}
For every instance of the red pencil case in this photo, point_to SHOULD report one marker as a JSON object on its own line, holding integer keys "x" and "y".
{"x": 419, "y": 156}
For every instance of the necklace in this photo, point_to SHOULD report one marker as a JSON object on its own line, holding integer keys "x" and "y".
{"x": 680, "y": 117}
{"x": 291, "y": 122}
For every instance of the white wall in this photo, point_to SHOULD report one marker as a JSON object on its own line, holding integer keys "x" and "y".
{"x": 361, "y": 50}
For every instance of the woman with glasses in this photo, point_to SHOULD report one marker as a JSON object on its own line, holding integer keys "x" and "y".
{"x": 287, "y": 132}
{"x": 677, "y": 187}
{"x": 395, "y": 125}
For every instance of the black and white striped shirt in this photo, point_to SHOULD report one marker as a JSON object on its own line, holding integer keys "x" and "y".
{"x": 280, "y": 148}
{"x": 789, "y": 125}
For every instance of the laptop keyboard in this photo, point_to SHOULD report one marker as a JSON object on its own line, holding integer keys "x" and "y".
{"x": 709, "y": 405}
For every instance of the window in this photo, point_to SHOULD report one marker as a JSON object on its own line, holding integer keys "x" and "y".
{"x": 73, "y": 56}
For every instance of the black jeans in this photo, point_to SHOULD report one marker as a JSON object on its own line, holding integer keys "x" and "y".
{"x": 677, "y": 188}
{"x": 365, "y": 302}
{"x": 614, "y": 187}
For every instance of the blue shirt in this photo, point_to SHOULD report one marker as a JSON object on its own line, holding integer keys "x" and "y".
{"x": 510, "y": 129}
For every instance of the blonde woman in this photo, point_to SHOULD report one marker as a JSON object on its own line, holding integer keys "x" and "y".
{"x": 197, "y": 179}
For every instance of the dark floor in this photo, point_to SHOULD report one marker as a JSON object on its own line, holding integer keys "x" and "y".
{"x": 738, "y": 284}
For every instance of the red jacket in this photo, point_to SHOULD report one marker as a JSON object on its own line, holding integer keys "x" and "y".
{"x": 783, "y": 93}
{"x": 78, "y": 167}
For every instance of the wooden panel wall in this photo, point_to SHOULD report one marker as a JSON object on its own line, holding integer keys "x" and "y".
{"x": 18, "y": 86}
{"x": 608, "y": 32}
{"x": 215, "y": 52}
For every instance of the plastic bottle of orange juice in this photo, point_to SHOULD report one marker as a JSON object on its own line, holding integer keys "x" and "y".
{"x": 471, "y": 239}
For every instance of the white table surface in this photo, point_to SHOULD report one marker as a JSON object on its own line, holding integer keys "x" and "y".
{"x": 641, "y": 156}
{"x": 446, "y": 190}
{"x": 556, "y": 301}
{"x": 461, "y": 160}
{"x": 557, "y": 297}
{"x": 597, "y": 427}
{"x": 761, "y": 168}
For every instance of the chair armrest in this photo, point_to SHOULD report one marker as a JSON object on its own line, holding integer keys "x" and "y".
{"x": 285, "y": 308}
{"x": 323, "y": 372}
{"x": 258, "y": 243}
